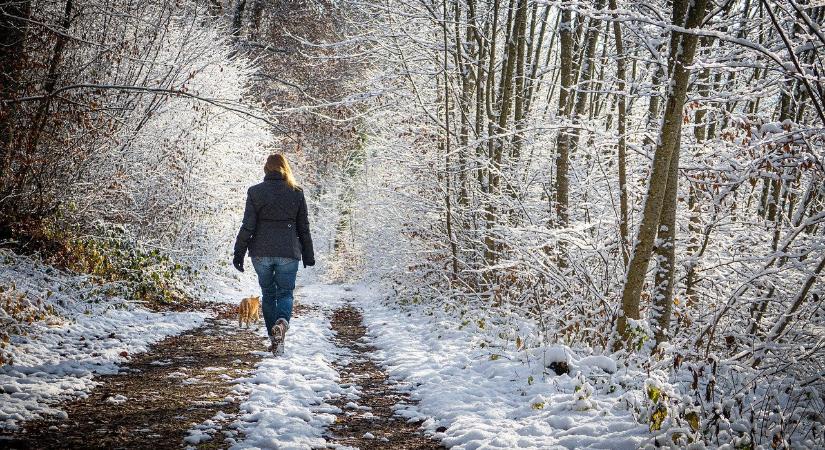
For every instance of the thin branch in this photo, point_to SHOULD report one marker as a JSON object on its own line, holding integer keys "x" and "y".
{"x": 795, "y": 61}
{"x": 224, "y": 104}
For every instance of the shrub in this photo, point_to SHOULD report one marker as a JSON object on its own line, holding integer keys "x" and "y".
{"x": 112, "y": 256}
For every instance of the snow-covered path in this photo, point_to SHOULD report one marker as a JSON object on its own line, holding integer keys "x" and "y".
{"x": 153, "y": 399}
{"x": 459, "y": 394}
{"x": 288, "y": 404}
{"x": 403, "y": 376}
{"x": 320, "y": 394}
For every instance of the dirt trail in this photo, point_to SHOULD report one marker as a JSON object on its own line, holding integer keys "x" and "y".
{"x": 180, "y": 382}
{"x": 375, "y": 413}
{"x": 185, "y": 380}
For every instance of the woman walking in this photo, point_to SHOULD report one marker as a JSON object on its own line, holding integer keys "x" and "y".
{"x": 275, "y": 230}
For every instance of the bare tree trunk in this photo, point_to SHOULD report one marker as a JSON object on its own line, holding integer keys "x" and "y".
{"x": 256, "y": 13}
{"x": 13, "y": 27}
{"x": 480, "y": 101}
{"x": 467, "y": 85}
{"x": 51, "y": 82}
{"x": 562, "y": 182}
{"x": 587, "y": 69}
{"x": 490, "y": 100}
{"x": 534, "y": 80}
{"x": 237, "y": 18}
{"x": 41, "y": 117}
{"x": 682, "y": 50}
{"x": 694, "y": 229}
{"x": 215, "y": 8}
{"x": 447, "y": 165}
{"x": 534, "y": 77}
{"x": 502, "y": 114}
{"x": 622, "y": 129}
{"x": 520, "y": 82}
{"x": 568, "y": 141}
{"x": 666, "y": 251}
{"x": 656, "y": 80}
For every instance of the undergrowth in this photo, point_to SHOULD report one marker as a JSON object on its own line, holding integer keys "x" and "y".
{"x": 106, "y": 259}
{"x": 17, "y": 312}
{"x": 114, "y": 260}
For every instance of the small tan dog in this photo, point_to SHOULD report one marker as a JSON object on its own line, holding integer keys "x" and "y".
{"x": 249, "y": 311}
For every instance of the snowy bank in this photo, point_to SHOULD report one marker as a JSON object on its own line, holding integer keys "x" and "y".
{"x": 471, "y": 396}
{"x": 88, "y": 334}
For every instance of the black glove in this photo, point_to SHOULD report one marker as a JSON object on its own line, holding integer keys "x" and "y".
{"x": 237, "y": 261}
{"x": 309, "y": 262}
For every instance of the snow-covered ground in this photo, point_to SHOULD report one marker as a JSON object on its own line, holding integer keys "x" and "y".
{"x": 466, "y": 398}
{"x": 483, "y": 398}
{"x": 468, "y": 395}
{"x": 285, "y": 400}
{"x": 60, "y": 356}
{"x": 288, "y": 407}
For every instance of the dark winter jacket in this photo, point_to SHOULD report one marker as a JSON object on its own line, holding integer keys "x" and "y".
{"x": 275, "y": 222}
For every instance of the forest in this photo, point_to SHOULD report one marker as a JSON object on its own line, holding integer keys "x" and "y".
{"x": 543, "y": 223}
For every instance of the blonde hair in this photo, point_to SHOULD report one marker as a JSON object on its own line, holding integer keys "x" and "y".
{"x": 277, "y": 163}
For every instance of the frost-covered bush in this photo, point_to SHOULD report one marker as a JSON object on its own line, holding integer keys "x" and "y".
{"x": 177, "y": 179}
{"x": 156, "y": 134}
{"x": 112, "y": 255}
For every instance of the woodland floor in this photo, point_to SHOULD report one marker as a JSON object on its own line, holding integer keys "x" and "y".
{"x": 187, "y": 379}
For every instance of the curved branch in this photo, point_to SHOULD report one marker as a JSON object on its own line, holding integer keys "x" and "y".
{"x": 224, "y": 104}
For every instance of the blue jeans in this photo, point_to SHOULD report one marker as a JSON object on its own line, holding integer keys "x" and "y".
{"x": 276, "y": 275}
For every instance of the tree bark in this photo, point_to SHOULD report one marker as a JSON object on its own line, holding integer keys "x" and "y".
{"x": 694, "y": 229}
{"x": 447, "y": 166}
{"x": 622, "y": 142}
{"x": 562, "y": 182}
{"x": 502, "y": 114}
{"x": 682, "y": 50}
{"x": 666, "y": 251}
{"x": 237, "y": 18}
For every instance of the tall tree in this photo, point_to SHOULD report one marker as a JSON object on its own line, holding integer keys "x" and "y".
{"x": 621, "y": 74}
{"x": 565, "y": 101}
{"x": 688, "y": 15}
